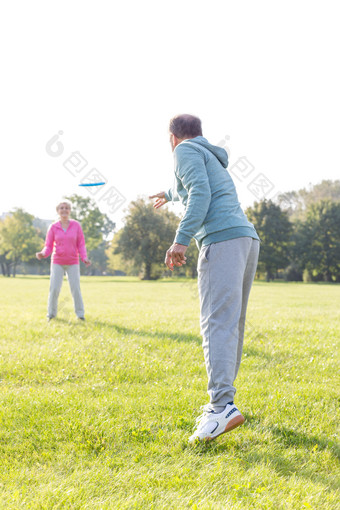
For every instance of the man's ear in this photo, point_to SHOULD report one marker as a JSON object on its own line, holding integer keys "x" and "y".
{"x": 176, "y": 140}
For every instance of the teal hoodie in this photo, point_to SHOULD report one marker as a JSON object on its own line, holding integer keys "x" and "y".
{"x": 205, "y": 188}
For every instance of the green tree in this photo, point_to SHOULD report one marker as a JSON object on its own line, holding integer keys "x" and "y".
{"x": 296, "y": 203}
{"x": 146, "y": 236}
{"x": 19, "y": 240}
{"x": 96, "y": 225}
{"x": 117, "y": 263}
{"x": 274, "y": 229}
{"x": 318, "y": 241}
{"x": 4, "y": 262}
{"x": 99, "y": 259}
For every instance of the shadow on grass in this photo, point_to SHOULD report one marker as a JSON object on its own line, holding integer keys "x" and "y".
{"x": 106, "y": 281}
{"x": 29, "y": 277}
{"x": 74, "y": 321}
{"x": 250, "y": 350}
{"x": 120, "y": 279}
{"x": 292, "y": 438}
{"x": 285, "y": 438}
{"x": 177, "y": 337}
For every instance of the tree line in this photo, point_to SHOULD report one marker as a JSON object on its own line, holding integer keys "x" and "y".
{"x": 300, "y": 237}
{"x": 301, "y": 234}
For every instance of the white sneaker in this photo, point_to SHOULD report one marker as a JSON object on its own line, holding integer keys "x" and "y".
{"x": 210, "y": 424}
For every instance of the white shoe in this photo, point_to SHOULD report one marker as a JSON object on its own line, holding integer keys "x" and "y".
{"x": 210, "y": 424}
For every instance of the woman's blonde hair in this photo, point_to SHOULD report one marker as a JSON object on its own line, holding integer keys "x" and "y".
{"x": 64, "y": 202}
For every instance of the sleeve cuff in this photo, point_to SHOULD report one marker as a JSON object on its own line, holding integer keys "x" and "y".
{"x": 182, "y": 239}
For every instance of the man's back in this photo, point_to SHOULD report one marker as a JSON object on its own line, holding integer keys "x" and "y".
{"x": 202, "y": 178}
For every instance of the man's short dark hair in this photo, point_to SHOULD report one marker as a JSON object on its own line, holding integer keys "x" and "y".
{"x": 185, "y": 126}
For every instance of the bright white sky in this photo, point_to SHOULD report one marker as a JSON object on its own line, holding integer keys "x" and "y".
{"x": 109, "y": 75}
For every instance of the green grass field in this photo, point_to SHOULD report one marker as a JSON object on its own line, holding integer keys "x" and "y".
{"x": 96, "y": 415}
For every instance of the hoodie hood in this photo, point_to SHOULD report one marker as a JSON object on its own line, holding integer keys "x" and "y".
{"x": 218, "y": 152}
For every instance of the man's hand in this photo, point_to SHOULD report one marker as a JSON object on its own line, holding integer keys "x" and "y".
{"x": 175, "y": 256}
{"x": 160, "y": 199}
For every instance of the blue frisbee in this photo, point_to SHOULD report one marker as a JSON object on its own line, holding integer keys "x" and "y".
{"x": 92, "y": 184}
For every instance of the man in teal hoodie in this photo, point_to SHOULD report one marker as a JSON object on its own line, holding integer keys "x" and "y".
{"x": 229, "y": 249}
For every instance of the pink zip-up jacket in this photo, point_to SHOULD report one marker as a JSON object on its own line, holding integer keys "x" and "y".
{"x": 65, "y": 246}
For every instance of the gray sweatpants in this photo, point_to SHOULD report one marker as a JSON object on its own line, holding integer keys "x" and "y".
{"x": 226, "y": 271}
{"x": 56, "y": 281}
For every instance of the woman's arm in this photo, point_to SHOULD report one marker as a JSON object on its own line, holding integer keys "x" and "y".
{"x": 48, "y": 248}
{"x": 82, "y": 246}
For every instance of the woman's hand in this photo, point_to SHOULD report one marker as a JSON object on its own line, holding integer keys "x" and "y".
{"x": 87, "y": 262}
{"x": 160, "y": 199}
{"x": 39, "y": 255}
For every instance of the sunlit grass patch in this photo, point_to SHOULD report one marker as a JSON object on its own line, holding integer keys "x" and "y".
{"x": 97, "y": 415}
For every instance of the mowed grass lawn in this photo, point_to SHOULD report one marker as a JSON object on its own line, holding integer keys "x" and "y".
{"x": 97, "y": 415}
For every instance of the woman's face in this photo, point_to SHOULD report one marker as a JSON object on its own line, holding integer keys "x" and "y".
{"x": 64, "y": 211}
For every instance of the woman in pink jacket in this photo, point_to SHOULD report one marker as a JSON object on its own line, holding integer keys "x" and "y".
{"x": 65, "y": 240}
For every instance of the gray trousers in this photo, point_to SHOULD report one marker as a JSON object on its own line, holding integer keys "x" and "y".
{"x": 56, "y": 281}
{"x": 226, "y": 271}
